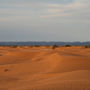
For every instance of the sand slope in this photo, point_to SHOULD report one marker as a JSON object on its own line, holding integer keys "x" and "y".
{"x": 39, "y": 68}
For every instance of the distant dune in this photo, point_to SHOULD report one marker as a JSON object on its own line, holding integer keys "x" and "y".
{"x": 44, "y": 68}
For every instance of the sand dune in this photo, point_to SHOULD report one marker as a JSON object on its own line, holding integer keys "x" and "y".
{"x": 42, "y": 68}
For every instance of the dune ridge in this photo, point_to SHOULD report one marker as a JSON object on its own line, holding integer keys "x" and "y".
{"x": 28, "y": 68}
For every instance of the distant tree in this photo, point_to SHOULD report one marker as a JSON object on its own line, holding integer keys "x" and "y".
{"x": 87, "y": 46}
{"x": 54, "y": 46}
{"x": 67, "y": 45}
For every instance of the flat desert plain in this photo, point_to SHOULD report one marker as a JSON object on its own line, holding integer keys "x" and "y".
{"x": 44, "y": 68}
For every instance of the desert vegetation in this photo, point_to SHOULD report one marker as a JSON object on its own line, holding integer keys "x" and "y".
{"x": 87, "y": 46}
{"x": 36, "y": 45}
{"x": 67, "y": 45}
{"x": 14, "y": 46}
{"x": 54, "y": 46}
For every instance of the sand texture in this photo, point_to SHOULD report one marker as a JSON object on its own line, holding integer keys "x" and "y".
{"x": 44, "y": 68}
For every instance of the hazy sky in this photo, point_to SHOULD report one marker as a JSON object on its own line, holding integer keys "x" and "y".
{"x": 44, "y": 20}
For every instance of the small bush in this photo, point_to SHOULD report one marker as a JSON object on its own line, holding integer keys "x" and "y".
{"x": 54, "y": 46}
{"x": 15, "y": 46}
{"x": 87, "y": 46}
{"x": 67, "y": 45}
{"x": 37, "y": 45}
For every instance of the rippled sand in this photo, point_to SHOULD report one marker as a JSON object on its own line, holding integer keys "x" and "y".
{"x": 42, "y": 68}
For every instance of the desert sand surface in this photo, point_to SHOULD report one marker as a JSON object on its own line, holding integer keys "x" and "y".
{"x": 44, "y": 68}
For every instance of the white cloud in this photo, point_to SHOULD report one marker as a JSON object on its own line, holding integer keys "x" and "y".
{"x": 42, "y": 8}
{"x": 54, "y": 10}
{"x": 14, "y": 12}
{"x": 41, "y": 17}
{"x": 65, "y": 9}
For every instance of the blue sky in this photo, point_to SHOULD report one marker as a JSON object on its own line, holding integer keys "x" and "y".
{"x": 44, "y": 20}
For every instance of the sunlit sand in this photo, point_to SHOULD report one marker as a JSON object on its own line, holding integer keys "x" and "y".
{"x": 44, "y": 68}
